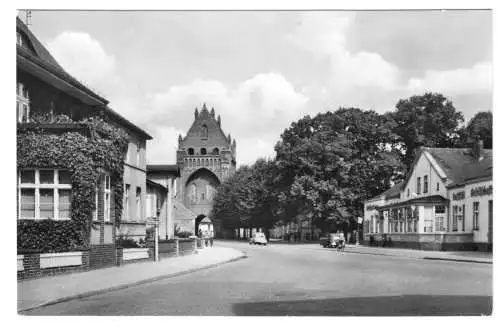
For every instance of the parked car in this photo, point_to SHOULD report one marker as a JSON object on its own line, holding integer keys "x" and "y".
{"x": 332, "y": 240}
{"x": 259, "y": 238}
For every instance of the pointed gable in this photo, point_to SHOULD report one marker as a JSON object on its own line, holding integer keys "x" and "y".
{"x": 205, "y": 131}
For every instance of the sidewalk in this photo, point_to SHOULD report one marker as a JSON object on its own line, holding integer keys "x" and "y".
{"x": 463, "y": 256}
{"x": 49, "y": 290}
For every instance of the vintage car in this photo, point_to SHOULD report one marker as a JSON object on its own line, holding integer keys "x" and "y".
{"x": 332, "y": 240}
{"x": 259, "y": 238}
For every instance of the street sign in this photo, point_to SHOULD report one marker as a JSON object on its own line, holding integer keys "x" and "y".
{"x": 360, "y": 220}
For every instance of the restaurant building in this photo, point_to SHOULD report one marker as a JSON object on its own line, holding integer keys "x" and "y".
{"x": 445, "y": 203}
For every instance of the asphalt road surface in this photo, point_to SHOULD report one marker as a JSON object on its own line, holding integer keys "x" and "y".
{"x": 303, "y": 280}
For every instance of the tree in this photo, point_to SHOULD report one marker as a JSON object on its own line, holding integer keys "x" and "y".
{"x": 425, "y": 120}
{"x": 480, "y": 126}
{"x": 248, "y": 198}
{"x": 329, "y": 164}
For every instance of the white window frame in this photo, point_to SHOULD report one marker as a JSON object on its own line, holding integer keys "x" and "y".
{"x": 107, "y": 198}
{"x": 55, "y": 186}
{"x": 22, "y": 100}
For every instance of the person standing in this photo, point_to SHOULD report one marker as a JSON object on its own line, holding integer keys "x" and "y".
{"x": 211, "y": 238}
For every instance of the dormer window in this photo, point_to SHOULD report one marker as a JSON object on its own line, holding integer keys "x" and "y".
{"x": 216, "y": 151}
{"x": 418, "y": 185}
{"x": 408, "y": 192}
{"x": 19, "y": 39}
{"x": 191, "y": 151}
{"x": 22, "y": 103}
{"x": 203, "y": 151}
{"x": 426, "y": 184}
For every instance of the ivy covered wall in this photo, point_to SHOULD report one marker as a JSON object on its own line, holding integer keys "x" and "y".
{"x": 85, "y": 156}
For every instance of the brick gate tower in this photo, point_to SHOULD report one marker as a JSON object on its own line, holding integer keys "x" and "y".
{"x": 205, "y": 157}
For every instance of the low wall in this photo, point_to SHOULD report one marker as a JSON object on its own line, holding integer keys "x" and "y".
{"x": 102, "y": 255}
{"x": 427, "y": 241}
{"x": 187, "y": 246}
{"x": 36, "y": 265}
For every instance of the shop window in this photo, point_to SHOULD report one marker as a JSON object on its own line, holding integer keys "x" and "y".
{"x": 426, "y": 184}
{"x": 475, "y": 215}
{"x": 418, "y": 185}
{"x": 44, "y": 194}
{"x": 22, "y": 103}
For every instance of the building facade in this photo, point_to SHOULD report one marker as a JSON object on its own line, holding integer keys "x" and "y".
{"x": 445, "y": 203}
{"x": 70, "y": 147}
{"x": 161, "y": 200}
{"x": 205, "y": 157}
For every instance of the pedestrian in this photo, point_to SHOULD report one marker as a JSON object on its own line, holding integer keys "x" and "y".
{"x": 211, "y": 238}
{"x": 205, "y": 236}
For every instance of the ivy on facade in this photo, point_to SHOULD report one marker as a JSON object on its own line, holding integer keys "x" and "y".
{"x": 85, "y": 156}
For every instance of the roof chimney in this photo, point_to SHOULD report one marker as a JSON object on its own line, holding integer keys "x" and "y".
{"x": 478, "y": 149}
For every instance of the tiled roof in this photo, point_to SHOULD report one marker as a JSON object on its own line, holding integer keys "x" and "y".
{"x": 162, "y": 167}
{"x": 157, "y": 185}
{"x": 391, "y": 193}
{"x": 43, "y": 58}
{"x": 460, "y": 165}
{"x": 127, "y": 123}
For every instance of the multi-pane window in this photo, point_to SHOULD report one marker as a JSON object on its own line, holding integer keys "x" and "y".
{"x": 428, "y": 225}
{"x": 138, "y": 203}
{"x": 437, "y": 186}
{"x": 44, "y": 194}
{"x": 439, "y": 218}
{"x": 107, "y": 198}
{"x": 408, "y": 193}
{"x": 475, "y": 215}
{"x": 418, "y": 185}
{"x": 426, "y": 184}
{"x": 22, "y": 103}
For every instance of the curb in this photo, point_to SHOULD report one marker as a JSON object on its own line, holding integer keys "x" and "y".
{"x": 425, "y": 258}
{"x": 125, "y": 286}
{"x": 459, "y": 260}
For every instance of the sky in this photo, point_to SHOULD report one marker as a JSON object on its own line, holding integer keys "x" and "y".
{"x": 262, "y": 70}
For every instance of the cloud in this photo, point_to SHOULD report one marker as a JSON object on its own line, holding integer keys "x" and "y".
{"x": 163, "y": 147}
{"x": 254, "y": 112}
{"x": 85, "y": 58}
{"x": 324, "y": 34}
{"x": 476, "y": 79}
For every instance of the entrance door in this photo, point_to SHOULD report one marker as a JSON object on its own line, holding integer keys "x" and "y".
{"x": 490, "y": 224}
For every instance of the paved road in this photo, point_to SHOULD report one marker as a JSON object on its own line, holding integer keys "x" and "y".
{"x": 283, "y": 279}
